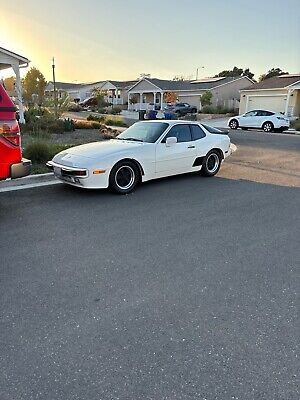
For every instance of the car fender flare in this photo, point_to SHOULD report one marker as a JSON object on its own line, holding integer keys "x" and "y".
{"x": 133, "y": 160}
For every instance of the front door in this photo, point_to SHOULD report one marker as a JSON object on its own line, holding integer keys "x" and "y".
{"x": 180, "y": 156}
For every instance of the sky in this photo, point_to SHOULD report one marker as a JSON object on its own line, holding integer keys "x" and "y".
{"x": 95, "y": 40}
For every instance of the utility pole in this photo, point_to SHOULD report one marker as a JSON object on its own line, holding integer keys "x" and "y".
{"x": 54, "y": 88}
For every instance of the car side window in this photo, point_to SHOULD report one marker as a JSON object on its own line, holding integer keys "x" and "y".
{"x": 181, "y": 132}
{"x": 197, "y": 132}
{"x": 251, "y": 114}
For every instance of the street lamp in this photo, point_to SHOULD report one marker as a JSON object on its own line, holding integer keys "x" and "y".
{"x": 197, "y": 72}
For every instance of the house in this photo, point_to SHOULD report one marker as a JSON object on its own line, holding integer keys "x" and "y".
{"x": 148, "y": 92}
{"x": 9, "y": 59}
{"x": 115, "y": 92}
{"x": 76, "y": 91}
{"x": 280, "y": 93}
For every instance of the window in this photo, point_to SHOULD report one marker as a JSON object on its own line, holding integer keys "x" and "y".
{"x": 211, "y": 129}
{"x": 262, "y": 113}
{"x": 197, "y": 132}
{"x": 251, "y": 114}
{"x": 181, "y": 132}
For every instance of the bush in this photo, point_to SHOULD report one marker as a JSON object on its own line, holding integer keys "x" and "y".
{"x": 99, "y": 118}
{"x": 114, "y": 121}
{"x": 114, "y": 110}
{"x": 82, "y": 124}
{"x": 296, "y": 124}
{"x": 39, "y": 151}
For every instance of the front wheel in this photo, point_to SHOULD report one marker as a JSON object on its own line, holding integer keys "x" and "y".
{"x": 211, "y": 163}
{"x": 124, "y": 177}
{"x": 233, "y": 124}
{"x": 268, "y": 127}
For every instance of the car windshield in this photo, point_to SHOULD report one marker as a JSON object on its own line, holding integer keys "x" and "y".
{"x": 147, "y": 132}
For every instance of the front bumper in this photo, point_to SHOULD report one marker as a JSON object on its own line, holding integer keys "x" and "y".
{"x": 20, "y": 169}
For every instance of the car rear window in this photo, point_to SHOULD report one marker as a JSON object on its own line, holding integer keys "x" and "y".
{"x": 211, "y": 129}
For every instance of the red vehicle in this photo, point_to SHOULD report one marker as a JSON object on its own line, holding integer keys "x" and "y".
{"x": 12, "y": 165}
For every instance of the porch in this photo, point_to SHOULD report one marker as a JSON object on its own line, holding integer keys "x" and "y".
{"x": 8, "y": 59}
{"x": 141, "y": 100}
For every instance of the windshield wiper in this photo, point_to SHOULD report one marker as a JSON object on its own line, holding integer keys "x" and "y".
{"x": 133, "y": 139}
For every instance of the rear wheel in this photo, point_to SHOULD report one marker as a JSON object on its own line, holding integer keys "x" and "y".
{"x": 233, "y": 124}
{"x": 211, "y": 163}
{"x": 194, "y": 110}
{"x": 124, "y": 177}
{"x": 268, "y": 127}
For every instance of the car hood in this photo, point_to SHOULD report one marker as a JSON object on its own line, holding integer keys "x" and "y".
{"x": 102, "y": 149}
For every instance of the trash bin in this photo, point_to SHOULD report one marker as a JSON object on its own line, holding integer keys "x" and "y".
{"x": 152, "y": 114}
{"x": 168, "y": 115}
{"x": 142, "y": 115}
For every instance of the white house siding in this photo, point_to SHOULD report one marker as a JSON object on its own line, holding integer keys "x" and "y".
{"x": 145, "y": 86}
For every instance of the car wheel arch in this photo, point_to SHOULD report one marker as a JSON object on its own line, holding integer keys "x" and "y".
{"x": 134, "y": 161}
{"x": 218, "y": 150}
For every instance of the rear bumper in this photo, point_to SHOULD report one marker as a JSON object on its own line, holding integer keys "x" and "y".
{"x": 20, "y": 169}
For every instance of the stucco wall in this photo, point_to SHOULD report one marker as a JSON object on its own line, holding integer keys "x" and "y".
{"x": 229, "y": 94}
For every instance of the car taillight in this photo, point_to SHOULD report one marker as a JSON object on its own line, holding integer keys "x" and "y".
{"x": 10, "y": 131}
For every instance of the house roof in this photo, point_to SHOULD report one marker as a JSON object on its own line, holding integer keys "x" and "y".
{"x": 204, "y": 84}
{"x": 64, "y": 85}
{"x": 10, "y": 54}
{"x": 123, "y": 84}
{"x": 276, "y": 82}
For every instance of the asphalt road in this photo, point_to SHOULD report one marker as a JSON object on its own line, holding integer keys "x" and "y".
{"x": 185, "y": 289}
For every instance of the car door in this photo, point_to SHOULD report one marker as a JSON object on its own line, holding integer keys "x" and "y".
{"x": 248, "y": 119}
{"x": 202, "y": 142}
{"x": 178, "y": 157}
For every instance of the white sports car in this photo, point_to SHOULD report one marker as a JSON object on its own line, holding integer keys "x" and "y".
{"x": 147, "y": 150}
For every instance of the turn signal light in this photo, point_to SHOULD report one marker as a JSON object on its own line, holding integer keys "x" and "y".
{"x": 99, "y": 171}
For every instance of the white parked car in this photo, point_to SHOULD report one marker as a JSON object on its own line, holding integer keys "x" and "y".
{"x": 147, "y": 150}
{"x": 260, "y": 119}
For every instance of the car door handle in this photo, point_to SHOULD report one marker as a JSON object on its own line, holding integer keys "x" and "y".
{"x": 191, "y": 147}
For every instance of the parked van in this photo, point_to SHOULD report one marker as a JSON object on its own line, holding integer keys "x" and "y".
{"x": 12, "y": 165}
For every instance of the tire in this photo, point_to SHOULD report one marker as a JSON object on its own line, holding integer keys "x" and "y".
{"x": 233, "y": 124}
{"x": 194, "y": 110}
{"x": 124, "y": 177}
{"x": 211, "y": 163}
{"x": 268, "y": 127}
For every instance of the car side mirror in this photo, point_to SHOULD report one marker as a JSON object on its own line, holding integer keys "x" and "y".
{"x": 170, "y": 141}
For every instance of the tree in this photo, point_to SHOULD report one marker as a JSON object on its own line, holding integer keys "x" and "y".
{"x": 9, "y": 83}
{"x": 234, "y": 72}
{"x": 170, "y": 97}
{"x": 271, "y": 73}
{"x": 206, "y": 98}
{"x": 179, "y": 78}
{"x": 99, "y": 95}
{"x": 34, "y": 83}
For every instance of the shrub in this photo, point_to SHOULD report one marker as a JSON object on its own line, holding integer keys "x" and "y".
{"x": 114, "y": 121}
{"x": 37, "y": 151}
{"x": 296, "y": 124}
{"x": 206, "y": 98}
{"x": 82, "y": 124}
{"x": 97, "y": 118}
{"x": 114, "y": 110}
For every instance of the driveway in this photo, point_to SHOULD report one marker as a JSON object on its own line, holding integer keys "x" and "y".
{"x": 185, "y": 289}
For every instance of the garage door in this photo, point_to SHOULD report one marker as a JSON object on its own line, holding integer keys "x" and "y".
{"x": 275, "y": 103}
